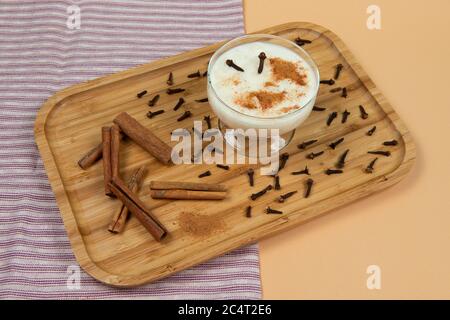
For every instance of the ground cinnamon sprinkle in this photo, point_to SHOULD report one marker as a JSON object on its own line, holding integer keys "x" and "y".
{"x": 232, "y": 81}
{"x": 288, "y": 109}
{"x": 200, "y": 225}
{"x": 282, "y": 70}
{"x": 269, "y": 84}
{"x": 265, "y": 99}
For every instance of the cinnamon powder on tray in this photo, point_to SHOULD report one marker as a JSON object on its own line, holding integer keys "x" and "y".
{"x": 200, "y": 225}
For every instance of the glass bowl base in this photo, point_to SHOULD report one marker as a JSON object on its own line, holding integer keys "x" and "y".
{"x": 244, "y": 144}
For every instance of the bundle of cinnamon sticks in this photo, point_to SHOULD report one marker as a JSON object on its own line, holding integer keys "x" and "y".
{"x": 114, "y": 186}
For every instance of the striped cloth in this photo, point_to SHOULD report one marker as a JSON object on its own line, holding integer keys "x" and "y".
{"x": 39, "y": 55}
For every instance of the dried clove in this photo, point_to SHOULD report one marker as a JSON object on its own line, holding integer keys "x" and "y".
{"x": 153, "y": 101}
{"x": 344, "y": 93}
{"x": 381, "y": 153}
{"x": 334, "y": 90}
{"x": 337, "y": 73}
{"x": 333, "y": 171}
{"x": 205, "y": 73}
{"x": 304, "y": 171}
{"x": 363, "y": 113}
{"x": 194, "y": 75}
{"x": 269, "y": 210}
{"x": 208, "y": 121}
{"x": 317, "y": 108}
{"x": 262, "y": 57}
{"x": 283, "y": 159}
{"x": 151, "y": 114}
{"x": 251, "y": 174}
{"x": 141, "y": 94}
{"x": 345, "y": 115}
{"x": 334, "y": 144}
{"x": 331, "y": 117}
{"x": 204, "y": 174}
{"x": 277, "y": 185}
{"x": 174, "y": 91}
{"x": 185, "y": 115}
{"x": 231, "y": 64}
{"x": 256, "y": 195}
{"x": 306, "y": 144}
{"x": 369, "y": 168}
{"x": 313, "y": 155}
{"x": 248, "y": 212}
{"x": 371, "y": 131}
{"x": 285, "y": 196}
{"x": 309, "y": 184}
{"x": 202, "y": 100}
{"x": 170, "y": 79}
{"x": 222, "y": 166}
{"x": 390, "y": 143}
{"x": 179, "y": 104}
{"x": 329, "y": 82}
{"x": 301, "y": 42}
{"x": 341, "y": 161}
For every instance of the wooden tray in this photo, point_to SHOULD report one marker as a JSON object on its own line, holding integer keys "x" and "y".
{"x": 69, "y": 124}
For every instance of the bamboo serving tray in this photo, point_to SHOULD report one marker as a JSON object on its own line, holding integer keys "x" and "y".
{"x": 69, "y": 124}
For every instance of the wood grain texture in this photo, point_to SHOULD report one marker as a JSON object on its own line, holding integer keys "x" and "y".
{"x": 199, "y": 186}
{"x": 70, "y": 121}
{"x": 187, "y": 195}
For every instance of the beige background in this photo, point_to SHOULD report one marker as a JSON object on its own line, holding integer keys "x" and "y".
{"x": 405, "y": 229}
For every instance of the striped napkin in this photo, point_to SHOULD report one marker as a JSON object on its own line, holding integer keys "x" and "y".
{"x": 46, "y": 46}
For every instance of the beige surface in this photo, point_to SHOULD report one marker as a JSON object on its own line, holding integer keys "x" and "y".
{"x": 405, "y": 229}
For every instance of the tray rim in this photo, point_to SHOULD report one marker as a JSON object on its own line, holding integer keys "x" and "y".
{"x": 339, "y": 200}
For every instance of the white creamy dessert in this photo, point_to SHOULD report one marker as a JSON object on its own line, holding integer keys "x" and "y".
{"x": 280, "y": 97}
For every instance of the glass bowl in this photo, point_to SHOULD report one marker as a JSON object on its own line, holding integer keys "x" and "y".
{"x": 286, "y": 123}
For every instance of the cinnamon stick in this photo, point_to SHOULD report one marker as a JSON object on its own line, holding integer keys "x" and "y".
{"x": 178, "y": 194}
{"x": 137, "y": 208}
{"x": 91, "y": 157}
{"x": 121, "y": 216}
{"x": 144, "y": 137}
{"x": 115, "y": 149}
{"x": 169, "y": 185}
{"x": 107, "y": 171}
